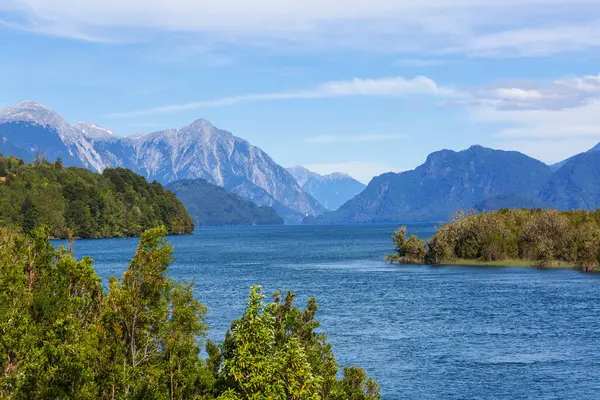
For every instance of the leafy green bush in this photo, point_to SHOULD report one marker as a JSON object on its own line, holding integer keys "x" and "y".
{"x": 63, "y": 336}
{"x": 410, "y": 251}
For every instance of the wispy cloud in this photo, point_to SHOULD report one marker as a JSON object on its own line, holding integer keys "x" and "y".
{"x": 562, "y": 115}
{"x": 420, "y": 62}
{"x": 392, "y": 86}
{"x": 533, "y": 95}
{"x": 59, "y": 30}
{"x": 566, "y": 123}
{"x": 550, "y": 122}
{"x": 534, "y": 41}
{"x": 354, "y": 139}
{"x": 492, "y": 28}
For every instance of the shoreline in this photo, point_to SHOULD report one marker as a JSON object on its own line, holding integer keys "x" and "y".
{"x": 511, "y": 264}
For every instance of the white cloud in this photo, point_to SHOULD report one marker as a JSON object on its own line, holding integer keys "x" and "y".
{"x": 525, "y": 95}
{"x": 550, "y": 135}
{"x": 354, "y": 139}
{"x": 562, "y": 116}
{"x": 518, "y": 94}
{"x": 480, "y": 28}
{"x": 363, "y": 171}
{"x": 531, "y": 95}
{"x": 393, "y": 86}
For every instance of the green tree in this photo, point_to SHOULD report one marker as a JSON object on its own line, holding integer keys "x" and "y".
{"x": 254, "y": 365}
{"x": 411, "y": 251}
{"x": 151, "y": 327}
{"x": 29, "y": 214}
{"x": 356, "y": 386}
{"x": 274, "y": 352}
{"x": 38, "y": 160}
{"x": 49, "y": 304}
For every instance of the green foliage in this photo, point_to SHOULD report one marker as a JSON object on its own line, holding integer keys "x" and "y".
{"x": 29, "y": 213}
{"x": 410, "y": 251}
{"x": 76, "y": 201}
{"x": 274, "y": 352}
{"x": 150, "y": 327}
{"x": 63, "y": 337}
{"x": 356, "y": 386}
{"x": 544, "y": 238}
{"x": 49, "y": 304}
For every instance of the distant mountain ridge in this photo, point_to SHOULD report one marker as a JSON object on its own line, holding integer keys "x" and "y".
{"x": 575, "y": 185}
{"x": 198, "y": 150}
{"x": 557, "y": 166}
{"x": 447, "y": 181}
{"x": 478, "y": 178}
{"x": 331, "y": 190}
{"x": 211, "y": 205}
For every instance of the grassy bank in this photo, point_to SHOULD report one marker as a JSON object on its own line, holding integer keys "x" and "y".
{"x": 511, "y": 263}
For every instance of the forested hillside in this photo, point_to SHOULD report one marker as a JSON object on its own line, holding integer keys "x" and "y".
{"x": 211, "y": 205}
{"x": 77, "y": 202}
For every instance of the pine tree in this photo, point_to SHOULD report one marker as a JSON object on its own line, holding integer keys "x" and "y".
{"x": 38, "y": 160}
{"x": 30, "y": 215}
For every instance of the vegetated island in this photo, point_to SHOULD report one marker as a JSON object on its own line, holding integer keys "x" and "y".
{"x": 75, "y": 202}
{"x": 509, "y": 237}
{"x": 64, "y": 336}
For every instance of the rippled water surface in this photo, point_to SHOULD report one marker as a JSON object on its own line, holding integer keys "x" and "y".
{"x": 421, "y": 332}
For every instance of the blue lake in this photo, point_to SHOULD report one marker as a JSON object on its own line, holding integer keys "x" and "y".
{"x": 421, "y": 332}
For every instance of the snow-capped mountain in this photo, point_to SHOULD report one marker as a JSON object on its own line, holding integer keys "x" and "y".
{"x": 198, "y": 150}
{"x": 29, "y": 126}
{"x": 95, "y": 132}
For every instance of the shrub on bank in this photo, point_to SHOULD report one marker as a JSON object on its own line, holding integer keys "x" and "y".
{"x": 544, "y": 237}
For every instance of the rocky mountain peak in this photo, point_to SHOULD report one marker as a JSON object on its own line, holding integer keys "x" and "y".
{"x": 302, "y": 174}
{"x": 95, "y": 132}
{"x": 202, "y": 123}
{"x": 337, "y": 176}
{"x": 33, "y": 112}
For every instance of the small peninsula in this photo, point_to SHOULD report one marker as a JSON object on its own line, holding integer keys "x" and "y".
{"x": 75, "y": 202}
{"x": 508, "y": 237}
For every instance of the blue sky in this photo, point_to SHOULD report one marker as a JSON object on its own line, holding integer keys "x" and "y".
{"x": 362, "y": 87}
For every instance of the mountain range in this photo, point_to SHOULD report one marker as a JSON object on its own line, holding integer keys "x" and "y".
{"x": 331, "y": 190}
{"x": 198, "y": 150}
{"x": 447, "y": 181}
{"x": 474, "y": 178}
